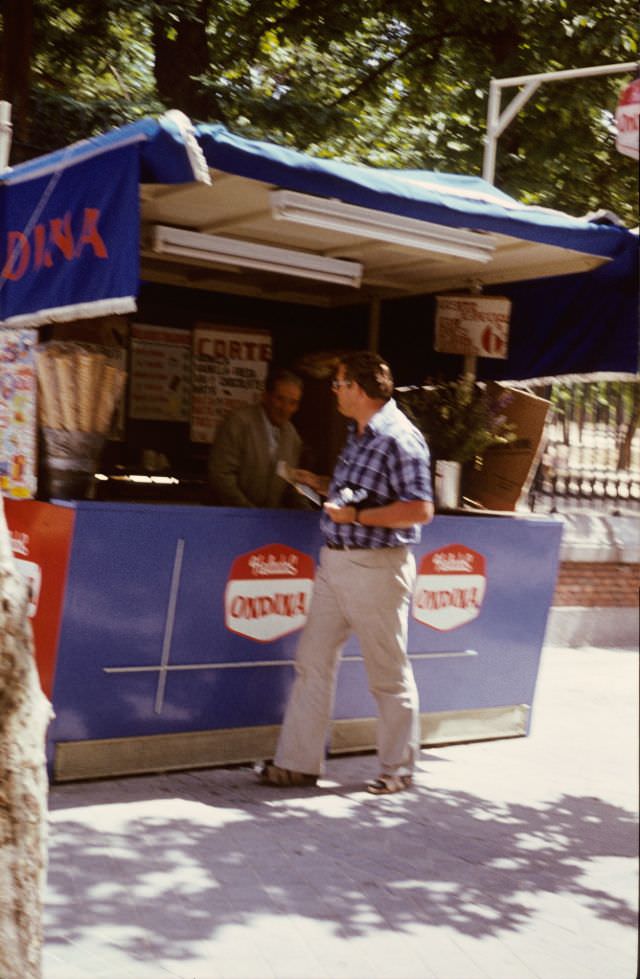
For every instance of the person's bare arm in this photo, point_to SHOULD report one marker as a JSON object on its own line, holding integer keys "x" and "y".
{"x": 395, "y": 516}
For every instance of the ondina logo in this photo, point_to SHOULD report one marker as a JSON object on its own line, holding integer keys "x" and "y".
{"x": 274, "y": 566}
{"x": 268, "y": 592}
{"x": 450, "y": 587}
{"x": 453, "y": 561}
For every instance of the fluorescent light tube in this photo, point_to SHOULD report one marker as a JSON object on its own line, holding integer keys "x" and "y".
{"x": 333, "y": 215}
{"x": 265, "y": 258}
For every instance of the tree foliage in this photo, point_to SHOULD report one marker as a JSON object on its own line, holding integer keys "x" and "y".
{"x": 399, "y": 83}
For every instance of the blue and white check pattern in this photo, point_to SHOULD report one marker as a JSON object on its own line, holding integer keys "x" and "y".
{"x": 389, "y": 462}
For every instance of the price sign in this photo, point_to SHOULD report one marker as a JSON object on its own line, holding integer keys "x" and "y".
{"x": 473, "y": 325}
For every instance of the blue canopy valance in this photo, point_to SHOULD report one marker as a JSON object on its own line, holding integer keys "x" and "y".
{"x": 70, "y": 236}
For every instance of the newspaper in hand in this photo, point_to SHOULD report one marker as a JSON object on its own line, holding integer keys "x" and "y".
{"x": 286, "y": 472}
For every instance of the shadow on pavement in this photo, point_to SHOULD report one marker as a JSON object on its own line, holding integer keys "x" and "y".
{"x": 168, "y": 860}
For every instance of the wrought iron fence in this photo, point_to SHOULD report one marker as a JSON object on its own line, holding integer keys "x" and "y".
{"x": 591, "y": 449}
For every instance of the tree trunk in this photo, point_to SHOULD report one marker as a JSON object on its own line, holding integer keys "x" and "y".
{"x": 24, "y": 715}
{"x": 17, "y": 50}
{"x": 180, "y": 54}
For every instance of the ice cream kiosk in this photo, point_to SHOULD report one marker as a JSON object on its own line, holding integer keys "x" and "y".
{"x": 165, "y": 264}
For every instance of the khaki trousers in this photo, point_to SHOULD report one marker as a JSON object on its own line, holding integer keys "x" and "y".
{"x": 365, "y": 591}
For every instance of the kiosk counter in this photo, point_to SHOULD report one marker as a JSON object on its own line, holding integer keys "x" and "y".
{"x": 165, "y": 635}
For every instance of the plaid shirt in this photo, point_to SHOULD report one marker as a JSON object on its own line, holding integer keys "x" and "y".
{"x": 389, "y": 462}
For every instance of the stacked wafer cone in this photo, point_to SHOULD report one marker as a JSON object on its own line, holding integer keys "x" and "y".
{"x": 78, "y": 388}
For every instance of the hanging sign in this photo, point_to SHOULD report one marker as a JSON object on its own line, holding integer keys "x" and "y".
{"x": 450, "y": 587}
{"x": 69, "y": 244}
{"x": 473, "y": 325}
{"x": 268, "y": 592}
{"x": 627, "y": 119}
{"x": 229, "y": 370}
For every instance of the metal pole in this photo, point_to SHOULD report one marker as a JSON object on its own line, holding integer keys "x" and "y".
{"x": 491, "y": 138}
{"x": 497, "y": 123}
{"x": 5, "y": 134}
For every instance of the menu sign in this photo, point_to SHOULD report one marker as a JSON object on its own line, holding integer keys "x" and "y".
{"x": 473, "y": 325}
{"x": 229, "y": 369}
{"x": 18, "y": 389}
{"x": 160, "y": 373}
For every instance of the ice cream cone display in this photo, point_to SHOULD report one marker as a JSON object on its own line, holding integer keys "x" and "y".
{"x": 110, "y": 390}
{"x": 88, "y": 372}
{"x": 49, "y": 415}
{"x": 79, "y": 388}
{"x": 63, "y": 367}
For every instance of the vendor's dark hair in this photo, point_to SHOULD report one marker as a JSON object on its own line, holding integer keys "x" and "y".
{"x": 370, "y": 371}
{"x": 277, "y": 374}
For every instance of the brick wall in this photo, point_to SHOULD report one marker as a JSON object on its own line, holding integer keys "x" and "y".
{"x": 597, "y": 584}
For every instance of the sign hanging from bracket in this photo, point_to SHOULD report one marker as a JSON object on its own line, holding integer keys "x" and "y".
{"x": 473, "y": 325}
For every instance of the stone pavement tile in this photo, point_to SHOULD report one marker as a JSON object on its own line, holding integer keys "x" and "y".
{"x": 230, "y": 952}
{"x": 583, "y": 934}
{"x": 556, "y": 960}
{"x": 289, "y": 894}
{"x": 93, "y": 959}
{"x": 445, "y": 956}
{"x": 294, "y": 949}
{"x": 243, "y": 967}
{"x": 497, "y": 958}
{"x": 393, "y": 954}
{"x": 353, "y": 959}
{"x": 200, "y": 968}
{"x": 56, "y": 966}
{"x": 297, "y": 948}
{"x": 295, "y": 968}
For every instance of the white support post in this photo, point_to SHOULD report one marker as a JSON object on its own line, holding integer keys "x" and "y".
{"x": 497, "y": 123}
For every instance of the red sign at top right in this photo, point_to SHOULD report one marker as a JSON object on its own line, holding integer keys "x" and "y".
{"x": 627, "y": 115}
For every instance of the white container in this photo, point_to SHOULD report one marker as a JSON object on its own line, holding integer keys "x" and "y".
{"x": 447, "y": 484}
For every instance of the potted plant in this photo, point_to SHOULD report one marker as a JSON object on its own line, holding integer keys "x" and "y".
{"x": 460, "y": 420}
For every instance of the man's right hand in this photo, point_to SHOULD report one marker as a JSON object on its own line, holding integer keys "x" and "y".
{"x": 318, "y": 483}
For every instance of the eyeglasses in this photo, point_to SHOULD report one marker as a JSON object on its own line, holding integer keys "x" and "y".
{"x": 336, "y": 385}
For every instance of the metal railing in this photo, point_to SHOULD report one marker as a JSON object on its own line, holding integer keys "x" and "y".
{"x": 591, "y": 449}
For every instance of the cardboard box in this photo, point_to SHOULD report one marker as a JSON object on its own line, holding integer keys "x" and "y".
{"x": 507, "y": 470}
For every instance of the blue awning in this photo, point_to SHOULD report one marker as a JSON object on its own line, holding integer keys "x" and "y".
{"x": 70, "y": 244}
{"x": 70, "y": 222}
{"x": 449, "y": 199}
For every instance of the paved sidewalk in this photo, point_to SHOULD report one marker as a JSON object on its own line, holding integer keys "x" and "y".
{"x": 512, "y": 859}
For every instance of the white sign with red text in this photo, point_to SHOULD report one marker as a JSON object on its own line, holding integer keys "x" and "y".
{"x": 473, "y": 325}
{"x": 450, "y": 587}
{"x": 628, "y": 119}
{"x": 229, "y": 369}
{"x": 268, "y": 592}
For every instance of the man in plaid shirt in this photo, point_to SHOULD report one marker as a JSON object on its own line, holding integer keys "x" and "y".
{"x": 377, "y": 500}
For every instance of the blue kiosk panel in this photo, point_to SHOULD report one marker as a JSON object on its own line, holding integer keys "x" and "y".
{"x": 184, "y": 619}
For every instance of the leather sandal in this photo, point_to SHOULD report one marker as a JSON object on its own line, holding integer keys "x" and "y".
{"x": 388, "y": 784}
{"x": 285, "y": 778}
